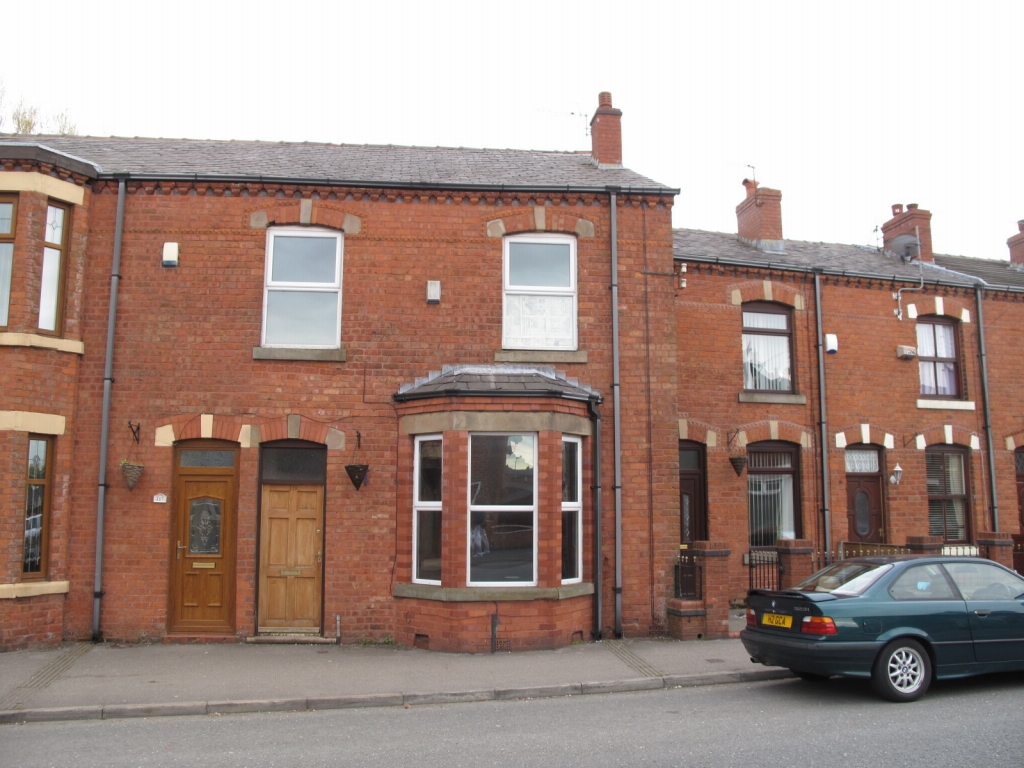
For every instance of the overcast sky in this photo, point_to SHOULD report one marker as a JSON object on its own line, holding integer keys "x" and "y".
{"x": 846, "y": 107}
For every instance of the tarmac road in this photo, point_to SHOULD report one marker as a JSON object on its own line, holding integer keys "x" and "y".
{"x": 975, "y": 722}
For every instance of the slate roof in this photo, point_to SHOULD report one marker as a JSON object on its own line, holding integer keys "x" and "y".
{"x": 501, "y": 380}
{"x": 995, "y": 272}
{"x": 801, "y": 256}
{"x": 347, "y": 164}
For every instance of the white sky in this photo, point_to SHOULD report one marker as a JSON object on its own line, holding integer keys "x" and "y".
{"x": 846, "y": 107}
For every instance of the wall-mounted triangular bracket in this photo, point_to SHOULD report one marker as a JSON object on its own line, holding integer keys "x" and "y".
{"x": 357, "y": 473}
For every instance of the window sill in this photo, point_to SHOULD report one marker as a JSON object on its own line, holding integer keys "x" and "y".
{"x": 33, "y": 589}
{"x": 539, "y": 356}
{"x": 292, "y": 353}
{"x": 42, "y": 342}
{"x": 946, "y": 405}
{"x": 489, "y": 594}
{"x": 772, "y": 397}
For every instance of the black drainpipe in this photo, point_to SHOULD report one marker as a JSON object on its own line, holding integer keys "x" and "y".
{"x": 595, "y": 417}
{"x": 616, "y": 407}
{"x": 108, "y": 380}
{"x": 978, "y": 295}
{"x": 824, "y": 419}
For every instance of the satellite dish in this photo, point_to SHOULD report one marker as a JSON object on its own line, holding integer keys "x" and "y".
{"x": 905, "y": 246}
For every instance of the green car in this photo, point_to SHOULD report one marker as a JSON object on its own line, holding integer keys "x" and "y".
{"x": 900, "y": 621}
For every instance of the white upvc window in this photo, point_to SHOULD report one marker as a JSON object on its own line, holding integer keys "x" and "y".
{"x": 302, "y": 288}
{"x": 501, "y": 539}
{"x": 572, "y": 510}
{"x": 539, "y": 280}
{"x": 426, "y": 510}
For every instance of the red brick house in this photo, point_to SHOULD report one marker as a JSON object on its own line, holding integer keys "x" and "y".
{"x": 464, "y": 399}
{"x": 370, "y": 389}
{"x": 808, "y": 372}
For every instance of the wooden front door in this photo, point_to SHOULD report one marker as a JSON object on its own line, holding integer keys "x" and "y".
{"x": 692, "y": 514}
{"x": 291, "y": 559}
{"x": 864, "y": 508}
{"x": 202, "y": 596}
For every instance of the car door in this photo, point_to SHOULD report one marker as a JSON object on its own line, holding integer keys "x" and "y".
{"x": 995, "y": 609}
{"x": 924, "y": 599}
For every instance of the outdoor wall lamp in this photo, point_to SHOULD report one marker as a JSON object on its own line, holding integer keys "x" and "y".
{"x": 897, "y": 475}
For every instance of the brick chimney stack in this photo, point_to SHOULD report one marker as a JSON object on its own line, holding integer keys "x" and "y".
{"x": 912, "y": 221}
{"x": 760, "y": 217}
{"x": 606, "y": 132}
{"x": 1016, "y": 244}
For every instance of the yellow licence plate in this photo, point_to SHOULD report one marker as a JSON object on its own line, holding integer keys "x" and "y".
{"x": 777, "y": 620}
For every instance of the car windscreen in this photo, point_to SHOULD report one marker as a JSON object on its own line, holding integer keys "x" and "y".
{"x": 844, "y": 579}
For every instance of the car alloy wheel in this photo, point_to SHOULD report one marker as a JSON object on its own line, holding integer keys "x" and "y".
{"x": 902, "y": 671}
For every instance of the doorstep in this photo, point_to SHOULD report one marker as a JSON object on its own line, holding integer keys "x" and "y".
{"x": 186, "y": 639}
{"x": 291, "y": 640}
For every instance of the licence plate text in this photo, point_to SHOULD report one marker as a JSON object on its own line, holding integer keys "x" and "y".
{"x": 777, "y": 620}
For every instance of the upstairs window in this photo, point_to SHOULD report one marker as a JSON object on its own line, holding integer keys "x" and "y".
{"x": 767, "y": 345}
{"x": 8, "y": 219}
{"x": 539, "y": 292}
{"x": 55, "y": 237}
{"x": 302, "y": 289}
{"x": 937, "y": 357}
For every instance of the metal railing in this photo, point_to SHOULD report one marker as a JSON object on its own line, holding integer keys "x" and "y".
{"x": 764, "y": 567}
{"x": 863, "y": 549}
{"x": 689, "y": 576}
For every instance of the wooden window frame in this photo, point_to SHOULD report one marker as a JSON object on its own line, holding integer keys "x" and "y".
{"x": 933, "y": 320}
{"x": 44, "y": 524}
{"x": 7, "y": 238}
{"x": 965, "y": 454}
{"x": 770, "y": 308}
{"x": 62, "y": 249}
{"x": 777, "y": 447}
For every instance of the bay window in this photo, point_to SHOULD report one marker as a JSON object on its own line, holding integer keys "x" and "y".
{"x": 426, "y": 519}
{"x": 54, "y": 248}
{"x": 8, "y": 219}
{"x": 572, "y": 510}
{"x": 37, "y": 507}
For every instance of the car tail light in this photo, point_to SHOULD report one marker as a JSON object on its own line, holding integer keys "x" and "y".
{"x": 818, "y": 625}
{"x": 751, "y": 618}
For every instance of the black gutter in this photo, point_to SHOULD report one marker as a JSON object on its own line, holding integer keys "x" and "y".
{"x": 595, "y": 416}
{"x": 824, "y": 271}
{"x": 401, "y": 397}
{"x": 978, "y": 294}
{"x": 378, "y": 184}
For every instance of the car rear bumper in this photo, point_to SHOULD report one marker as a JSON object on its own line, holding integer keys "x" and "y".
{"x": 810, "y": 654}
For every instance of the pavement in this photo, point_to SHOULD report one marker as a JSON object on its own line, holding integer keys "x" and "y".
{"x": 87, "y": 681}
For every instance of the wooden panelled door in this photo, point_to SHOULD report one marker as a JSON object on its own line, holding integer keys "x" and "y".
{"x": 864, "y": 508}
{"x": 291, "y": 557}
{"x": 202, "y": 598}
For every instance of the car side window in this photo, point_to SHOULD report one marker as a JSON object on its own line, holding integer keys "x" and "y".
{"x": 922, "y": 582}
{"x": 981, "y": 581}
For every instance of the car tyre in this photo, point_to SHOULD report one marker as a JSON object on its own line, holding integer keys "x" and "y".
{"x": 902, "y": 671}
{"x": 810, "y": 677}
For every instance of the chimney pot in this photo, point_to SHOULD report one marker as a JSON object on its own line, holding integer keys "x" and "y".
{"x": 897, "y": 209}
{"x": 1020, "y": 225}
{"x": 911, "y": 206}
{"x": 604, "y": 99}
{"x": 751, "y": 186}
{"x": 1016, "y": 244}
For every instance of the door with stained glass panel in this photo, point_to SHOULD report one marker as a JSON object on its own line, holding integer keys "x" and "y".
{"x": 692, "y": 493}
{"x": 203, "y": 543}
{"x": 864, "y": 495}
